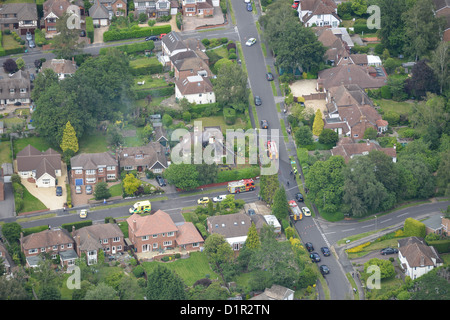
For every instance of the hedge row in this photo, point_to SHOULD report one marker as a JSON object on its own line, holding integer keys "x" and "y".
{"x": 146, "y": 69}
{"x": 442, "y": 246}
{"x": 232, "y": 175}
{"x": 155, "y": 92}
{"x": 135, "y": 32}
{"x": 90, "y": 28}
{"x": 77, "y": 225}
{"x": 132, "y": 48}
{"x": 2, "y": 50}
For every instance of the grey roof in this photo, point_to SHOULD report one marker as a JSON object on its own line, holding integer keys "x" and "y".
{"x": 29, "y": 159}
{"x": 98, "y": 11}
{"x": 68, "y": 255}
{"x": 230, "y": 225}
{"x": 92, "y": 160}
{"x": 19, "y": 80}
{"x": 24, "y": 11}
{"x": 152, "y": 153}
{"x": 173, "y": 41}
{"x": 88, "y": 238}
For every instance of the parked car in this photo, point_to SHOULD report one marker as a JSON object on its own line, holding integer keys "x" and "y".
{"x": 314, "y": 257}
{"x": 264, "y": 124}
{"x": 161, "y": 181}
{"x": 309, "y": 246}
{"x": 203, "y": 200}
{"x": 77, "y": 189}
{"x": 82, "y": 33}
{"x": 258, "y": 101}
{"x": 306, "y": 211}
{"x": 326, "y": 252}
{"x": 162, "y": 35}
{"x": 59, "y": 191}
{"x": 324, "y": 269}
{"x": 251, "y": 212}
{"x": 88, "y": 189}
{"x": 299, "y": 197}
{"x": 152, "y": 38}
{"x": 83, "y": 213}
{"x": 269, "y": 76}
{"x": 249, "y": 6}
{"x": 219, "y": 198}
{"x": 29, "y": 36}
{"x": 388, "y": 250}
{"x": 250, "y": 42}
{"x": 31, "y": 44}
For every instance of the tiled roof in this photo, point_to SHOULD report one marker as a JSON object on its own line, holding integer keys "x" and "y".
{"x": 151, "y": 153}
{"x": 92, "y": 160}
{"x": 230, "y": 225}
{"x": 58, "y": 7}
{"x": 349, "y": 74}
{"x": 194, "y": 85}
{"x": 157, "y": 223}
{"x": 46, "y": 238}
{"x": 187, "y": 234}
{"x": 90, "y": 236}
{"x": 24, "y": 11}
{"x": 29, "y": 159}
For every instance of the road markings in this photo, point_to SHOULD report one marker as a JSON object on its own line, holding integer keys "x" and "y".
{"x": 367, "y": 226}
{"x": 348, "y": 230}
{"x": 403, "y": 214}
{"x": 385, "y": 220}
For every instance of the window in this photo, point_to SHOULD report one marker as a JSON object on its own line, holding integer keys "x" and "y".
{"x": 190, "y": 9}
{"x": 105, "y": 241}
{"x": 32, "y": 251}
{"x": 90, "y": 172}
{"x": 100, "y": 170}
{"x": 111, "y": 176}
{"x": 116, "y": 239}
{"x": 167, "y": 243}
{"x": 144, "y": 238}
{"x": 78, "y": 171}
{"x": 195, "y": 244}
{"x": 69, "y": 245}
{"x": 128, "y": 167}
{"x": 12, "y": 90}
{"x": 109, "y": 168}
{"x": 170, "y": 234}
{"x": 139, "y": 156}
{"x": 62, "y": 247}
{"x": 155, "y": 236}
{"x": 91, "y": 180}
{"x": 23, "y": 90}
{"x": 42, "y": 249}
{"x": 155, "y": 245}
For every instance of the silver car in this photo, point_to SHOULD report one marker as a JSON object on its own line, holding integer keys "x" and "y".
{"x": 29, "y": 36}
{"x": 31, "y": 44}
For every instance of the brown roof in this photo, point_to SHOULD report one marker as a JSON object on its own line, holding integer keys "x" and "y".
{"x": 19, "y": 80}
{"x": 350, "y": 150}
{"x": 230, "y": 225}
{"x": 194, "y": 64}
{"x": 187, "y": 234}
{"x": 194, "y": 85}
{"x": 151, "y": 153}
{"x": 318, "y": 7}
{"x": 29, "y": 158}
{"x": 420, "y": 255}
{"x": 46, "y": 238}
{"x": 60, "y": 66}
{"x": 89, "y": 237}
{"x": 157, "y": 223}
{"x": 92, "y": 160}
{"x": 58, "y": 7}
{"x": 349, "y": 74}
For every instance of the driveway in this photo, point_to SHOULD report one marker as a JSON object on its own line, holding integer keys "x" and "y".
{"x": 48, "y": 195}
{"x": 305, "y": 87}
{"x": 191, "y": 23}
{"x": 98, "y": 34}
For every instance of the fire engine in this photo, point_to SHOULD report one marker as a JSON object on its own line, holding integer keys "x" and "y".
{"x": 272, "y": 150}
{"x": 296, "y": 212}
{"x": 241, "y": 186}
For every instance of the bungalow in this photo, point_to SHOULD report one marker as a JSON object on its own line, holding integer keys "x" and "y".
{"x": 348, "y": 149}
{"x": 201, "y": 8}
{"x": 56, "y": 242}
{"x": 91, "y": 239}
{"x": 416, "y": 258}
{"x": 63, "y": 68}
{"x": 43, "y": 167}
{"x": 233, "y": 227}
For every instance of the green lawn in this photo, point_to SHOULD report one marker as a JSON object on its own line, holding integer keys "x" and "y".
{"x": 30, "y": 202}
{"x": 149, "y": 82}
{"x": 37, "y": 142}
{"x": 5, "y": 152}
{"x": 190, "y": 270}
{"x": 391, "y": 105}
{"x": 93, "y": 143}
{"x": 220, "y": 121}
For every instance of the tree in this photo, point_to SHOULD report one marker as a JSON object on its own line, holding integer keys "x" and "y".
{"x": 101, "y": 292}
{"x": 370, "y": 133}
{"x": 318, "y": 123}
{"x": 303, "y": 136}
{"x": 440, "y": 64}
{"x": 69, "y": 144}
{"x": 359, "y": 7}
{"x": 414, "y": 228}
{"x": 268, "y": 186}
{"x": 219, "y": 253}
{"x": 329, "y": 136}
{"x": 20, "y": 63}
{"x": 165, "y": 284}
{"x": 252, "y": 241}
{"x": 230, "y": 86}
{"x": 421, "y": 27}
{"x": 422, "y": 80}
{"x": 10, "y": 66}
{"x": 183, "y": 176}
{"x": 386, "y": 267}
{"x": 65, "y": 43}
{"x": 114, "y": 136}
{"x": 43, "y": 81}
{"x": 101, "y": 191}
{"x": 392, "y": 30}
{"x": 131, "y": 184}
{"x": 280, "y": 207}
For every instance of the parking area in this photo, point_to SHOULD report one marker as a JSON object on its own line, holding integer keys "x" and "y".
{"x": 192, "y": 23}
{"x": 306, "y": 87}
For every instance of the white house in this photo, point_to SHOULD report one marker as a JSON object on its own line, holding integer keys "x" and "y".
{"x": 196, "y": 89}
{"x": 416, "y": 258}
{"x": 273, "y": 221}
{"x": 320, "y": 13}
{"x": 233, "y": 227}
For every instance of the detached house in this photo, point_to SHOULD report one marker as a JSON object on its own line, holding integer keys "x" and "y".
{"x": 100, "y": 14}
{"x": 158, "y": 232}
{"x": 202, "y": 8}
{"x": 196, "y": 89}
{"x": 53, "y": 10}
{"x": 149, "y": 157}
{"x": 348, "y": 149}
{"x": 55, "y": 242}
{"x": 91, "y": 239}
{"x": 233, "y": 227}
{"x": 43, "y": 167}
{"x": 15, "y": 90}
{"x": 91, "y": 168}
{"x": 22, "y": 17}
{"x": 318, "y": 13}
{"x": 153, "y": 8}
{"x": 416, "y": 257}
{"x": 63, "y": 68}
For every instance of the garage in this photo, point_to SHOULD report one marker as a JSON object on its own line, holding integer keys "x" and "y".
{"x": 78, "y": 182}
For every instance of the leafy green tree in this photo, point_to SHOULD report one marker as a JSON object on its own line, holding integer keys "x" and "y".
{"x": 65, "y": 42}
{"x": 440, "y": 62}
{"x": 328, "y": 136}
{"x": 20, "y": 63}
{"x": 392, "y": 30}
{"x": 318, "y": 123}
{"x": 370, "y": 133}
{"x": 422, "y": 80}
{"x": 230, "y": 86}
{"x": 44, "y": 80}
{"x": 101, "y": 191}
{"x": 359, "y": 7}
{"x": 101, "y": 292}
{"x": 417, "y": 179}
{"x": 49, "y": 293}
{"x": 303, "y": 136}
{"x": 14, "y": 288}
{"x": 252, "y": 241}
{"x": 268, "y": 186}
{"x": 114, "y": 136}
{"x": 386, "y": 267}
{"x": 131, "y": 184}
{"x": 69, "y": 144}
{"x": 165, "y": 284}
{"x": 219, "y": 252}
{"x": 183, "y": 176}
{"x": 280, "y": 207}
{"x": 11, "y": 231}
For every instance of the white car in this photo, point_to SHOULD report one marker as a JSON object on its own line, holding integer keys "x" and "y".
{"x": 306, "y": 211}
{"x": 219, "y": 198}
{"x": 29, "y": 36}
{"x": 250, "y": 42}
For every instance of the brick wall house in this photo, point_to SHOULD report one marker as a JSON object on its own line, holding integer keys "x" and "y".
{"x": 91, "y": 168}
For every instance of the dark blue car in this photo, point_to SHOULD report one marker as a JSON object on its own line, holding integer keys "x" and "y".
{"x": 249, "y": 6}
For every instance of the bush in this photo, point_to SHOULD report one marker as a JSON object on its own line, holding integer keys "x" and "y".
{"x": 90, "y": 28}
{"x": 138, "y": 271}
{"x": 358, "y": 248}
{"x": 132, "y": 48}
{"x": 230, "y": 115}
{"x": 415, "y": 228}
{"x": 135, "y": 32}
{"x": 386, "y": 92}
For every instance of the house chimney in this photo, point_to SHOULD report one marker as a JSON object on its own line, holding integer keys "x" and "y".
{"x": 134, "y": 225}
{"x": 368, "y": 143}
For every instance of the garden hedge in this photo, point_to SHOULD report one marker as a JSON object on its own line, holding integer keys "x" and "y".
{"x": 135, "y": 32}
{"x": 90, "y": 28}
{"x": 132, "y": 48}
{"x": 77, "y": 225}
{"x": 155, "y": 92}
{"x": 230, "y": 115}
